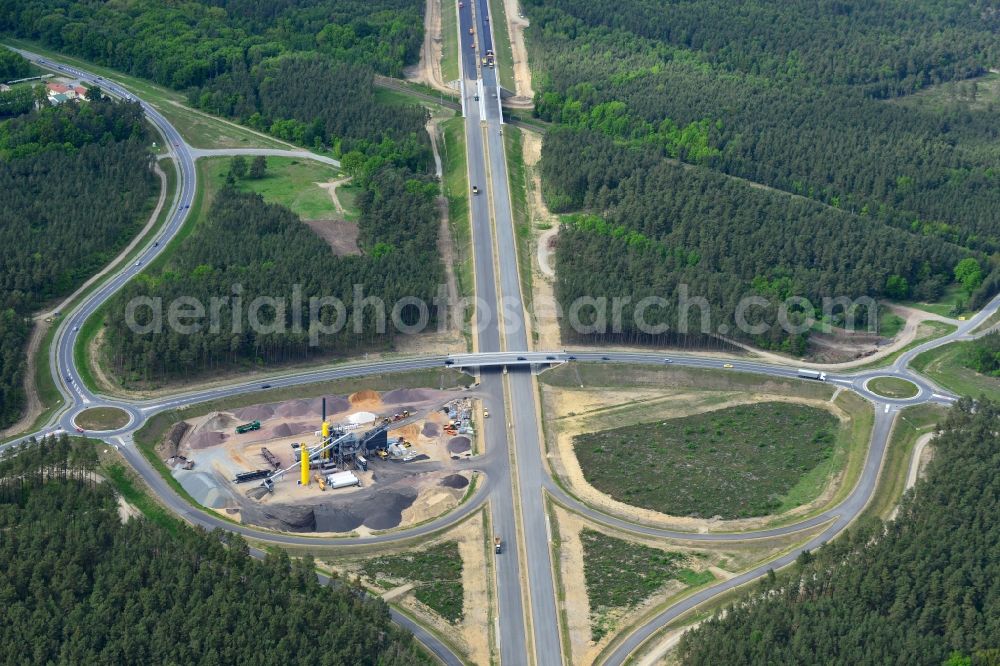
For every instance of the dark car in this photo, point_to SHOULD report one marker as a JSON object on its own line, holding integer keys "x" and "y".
{"x": 550, "y": 358}
{"x": 572, "y": 358}
{"x": 449, "y": 362}
{"x": 521, "y": 358}
{"x": 265, "y": 386}
{"x": 605, "y": 358}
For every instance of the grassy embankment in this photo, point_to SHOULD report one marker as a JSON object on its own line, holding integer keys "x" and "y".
{"x": 944, "y": 366}
{"x": 504, "y": 50}
{"x": 435, "y": 572}
{"x": 519, "y": 208}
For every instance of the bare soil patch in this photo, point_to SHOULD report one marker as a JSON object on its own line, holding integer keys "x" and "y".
{"x": 340, "y": 235}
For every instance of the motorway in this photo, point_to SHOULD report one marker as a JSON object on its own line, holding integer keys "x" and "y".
{"x": 515, "y": 478}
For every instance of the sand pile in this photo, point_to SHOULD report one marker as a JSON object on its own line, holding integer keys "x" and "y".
{"x": 361, "y": 418}
{"x": 398, "y": 396}
{"x": 283, "y": 430}
{"x": 203, "y": 440}
{"x": 454, "y": 481}
{"x": 294, "y": 408}
{"x": 363, "y": 396}
{"x": 459, "y": 444}
{"x": 255, "y": 413}
{"x": 219, "y": 421}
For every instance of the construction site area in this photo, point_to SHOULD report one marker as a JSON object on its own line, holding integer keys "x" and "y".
{"x": 334, "y": 464}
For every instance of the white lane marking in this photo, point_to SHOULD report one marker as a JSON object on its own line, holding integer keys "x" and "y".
{"x": 942, "y": 397}
{"x": 887, "y": 409}
{"x": 842, "y": 381}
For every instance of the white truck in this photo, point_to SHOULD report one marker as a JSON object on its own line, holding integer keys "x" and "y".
{"x": 812, "y": 374}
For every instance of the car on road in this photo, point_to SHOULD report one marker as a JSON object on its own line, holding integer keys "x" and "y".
{"x": 667, "y": 360}
{"x": 138, "y": 262}
{"x": 550, "y": 358}
{"x": 476, "y": 98}
{"x": 156, "y": 243}
{"x": 449, "y": 362}
{"x": 265, "y": 386}
{"x": 76, "y": 328}
{"x": 79, "y": 429}
{"x": 572, "y": 358}
{"x": 486, "y": 413}
{"x": 521, "y": 358}
{"x": 605, "y": 358}
{"x": 727, "y": 365}
{"x": 475, "y": 189}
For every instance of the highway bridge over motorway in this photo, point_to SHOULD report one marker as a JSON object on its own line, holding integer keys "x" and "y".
{"x": 516, "y": 480}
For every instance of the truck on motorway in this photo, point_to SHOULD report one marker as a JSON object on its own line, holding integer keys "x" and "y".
{"x": 497, "y": 545}
{"x": 247, "y": 427}
{"x": 812, "y": 374}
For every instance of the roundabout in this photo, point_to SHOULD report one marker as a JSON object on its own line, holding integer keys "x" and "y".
{"x": 103, "y": 419}
{"x": 893, "y": 388}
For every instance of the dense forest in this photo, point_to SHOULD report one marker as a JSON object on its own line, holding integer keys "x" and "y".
{"x": 921, "y": 589}
{"x": 80, "y": 586}
{"x": 667, "y": 228}
{"x": 300, "y": 70}
{"x": 267, "y": 251}
{"x": 12, "y": 66}
{"x": 983, "y": 355}
{"x": 75, "y": 181}
{"x": 783, "y": 96}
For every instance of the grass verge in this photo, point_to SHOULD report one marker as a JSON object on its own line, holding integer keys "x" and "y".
{"x": 938, "y": 329}
{"x": 102, "y": 418}
{"x": 893, "y": 387}
{"x": 519, "y": 207}
{"x": 449, "y": 41}
{"x": 121, "y": 479}
{"x": 455, "y": 188}
{"x": 505, "y": 51}
{"x": 911, "y": 424}
{"x": 944, "y": 366}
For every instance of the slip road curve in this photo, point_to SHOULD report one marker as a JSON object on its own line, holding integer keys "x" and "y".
{"x": 491, "y": 226}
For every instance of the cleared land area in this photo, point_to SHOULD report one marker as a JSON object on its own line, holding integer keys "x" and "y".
{"x": 944, "y": 366}
{"x": 435, "y": 572}
{"x": 296, "y": 184}
{"x": 736, "y": 462}
{"x": 621, "y": 574}
{"x": 580, "y": 399}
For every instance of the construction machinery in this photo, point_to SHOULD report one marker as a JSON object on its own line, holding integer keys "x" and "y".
{"x": 247, "y": 427}
{"x": 318, "y": 478}
{"x": 251, "y": 476}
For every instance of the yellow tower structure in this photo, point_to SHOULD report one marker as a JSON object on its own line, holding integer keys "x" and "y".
{"x": 326, "y": 436}
{"x": 304, "y": 453}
